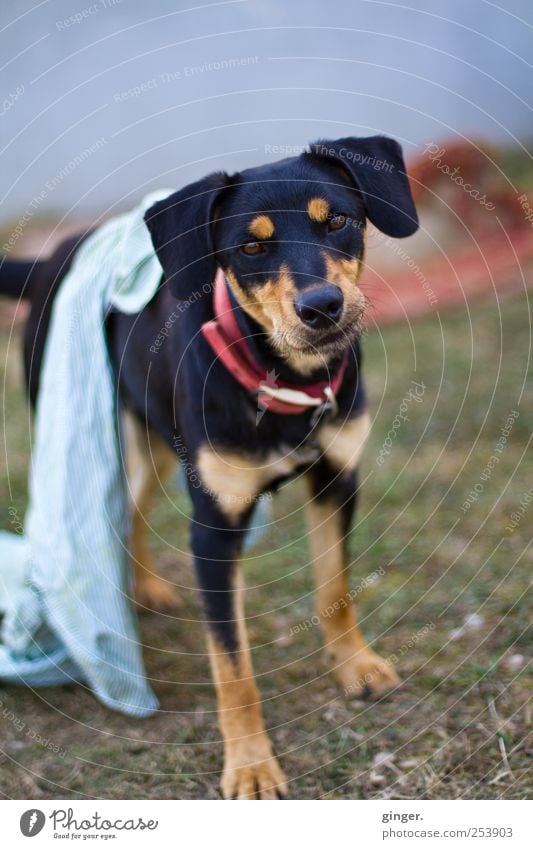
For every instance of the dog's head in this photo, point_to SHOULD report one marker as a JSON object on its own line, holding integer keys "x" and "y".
{"x": 290, "y": 238}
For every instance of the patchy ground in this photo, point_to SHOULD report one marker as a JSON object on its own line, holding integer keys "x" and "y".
{"x": 450, "y": 606}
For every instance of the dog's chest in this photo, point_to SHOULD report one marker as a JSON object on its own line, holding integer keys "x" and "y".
{"x": 286, "y": 461}
{"x": 235, "y": 478}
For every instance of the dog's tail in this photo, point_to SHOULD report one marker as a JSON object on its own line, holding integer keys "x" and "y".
{"x": 17, "y": 277}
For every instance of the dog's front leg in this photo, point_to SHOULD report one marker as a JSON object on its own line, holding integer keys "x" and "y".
{"x": 250, "y": 768}
{"x": 330, "y": 509}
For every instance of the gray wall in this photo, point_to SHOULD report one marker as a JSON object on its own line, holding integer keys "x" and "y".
{"x": 100, "y": 108}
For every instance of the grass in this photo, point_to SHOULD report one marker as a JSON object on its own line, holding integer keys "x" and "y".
{"x": 457, "y": 727}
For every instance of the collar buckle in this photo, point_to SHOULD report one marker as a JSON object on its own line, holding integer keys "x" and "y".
{"x": 328, "y": 407}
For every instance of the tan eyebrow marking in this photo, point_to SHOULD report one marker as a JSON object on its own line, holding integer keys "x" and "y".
{"x": 318, "y": 209}
{"x": 262, "y": 227}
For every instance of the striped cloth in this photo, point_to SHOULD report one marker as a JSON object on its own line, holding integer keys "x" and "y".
{"x": 65, "y": 585}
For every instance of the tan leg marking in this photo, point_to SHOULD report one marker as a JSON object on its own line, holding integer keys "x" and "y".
{"x": 343, "y": 442}
{"x": 250, "y": 768}
{"x": 356, "y": 666}
{"x": 149, "y": 461}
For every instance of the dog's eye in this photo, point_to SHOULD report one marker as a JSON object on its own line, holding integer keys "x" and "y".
{"x": 336, "y": 221}
{"x": 252, "y": 248}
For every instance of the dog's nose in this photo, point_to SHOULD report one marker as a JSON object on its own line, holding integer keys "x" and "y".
{"x": 319, "y": 307}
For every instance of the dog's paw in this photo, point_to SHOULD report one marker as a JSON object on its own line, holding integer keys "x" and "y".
{"x": 155, "y": 594}
{"x": 252, "y": 772}
{"x": 366, "y": 674}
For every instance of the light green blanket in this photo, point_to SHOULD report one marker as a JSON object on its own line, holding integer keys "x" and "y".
{"x": 65, "y": 584}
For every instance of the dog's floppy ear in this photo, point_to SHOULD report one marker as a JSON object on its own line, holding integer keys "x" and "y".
{"x": 181, "y": 227}
{"x": 375, "y": 164}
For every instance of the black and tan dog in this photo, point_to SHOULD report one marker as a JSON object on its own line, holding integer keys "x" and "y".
{"x": 289, "y": 238}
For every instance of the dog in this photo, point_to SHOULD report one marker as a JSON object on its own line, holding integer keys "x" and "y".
{"x": 258, "y": 378}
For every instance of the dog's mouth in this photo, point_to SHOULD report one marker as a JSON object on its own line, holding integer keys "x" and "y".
{"x": 331, "y": 340}
{"x": 335, "y": 339}
{"x": 298, "y": 343}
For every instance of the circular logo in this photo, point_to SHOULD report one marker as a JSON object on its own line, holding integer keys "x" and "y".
{"x": 32, "y": 822}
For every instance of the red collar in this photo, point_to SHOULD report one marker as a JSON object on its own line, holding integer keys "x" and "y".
{"x": 277, "y": 396}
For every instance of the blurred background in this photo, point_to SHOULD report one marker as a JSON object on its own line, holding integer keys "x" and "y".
{"x": 104, "y": 101}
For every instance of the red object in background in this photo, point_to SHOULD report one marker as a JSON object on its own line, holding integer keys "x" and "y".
{"x": 498, "y": 266}
{"x": 466, "y": 177}
{"x": 473, "y": 159}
